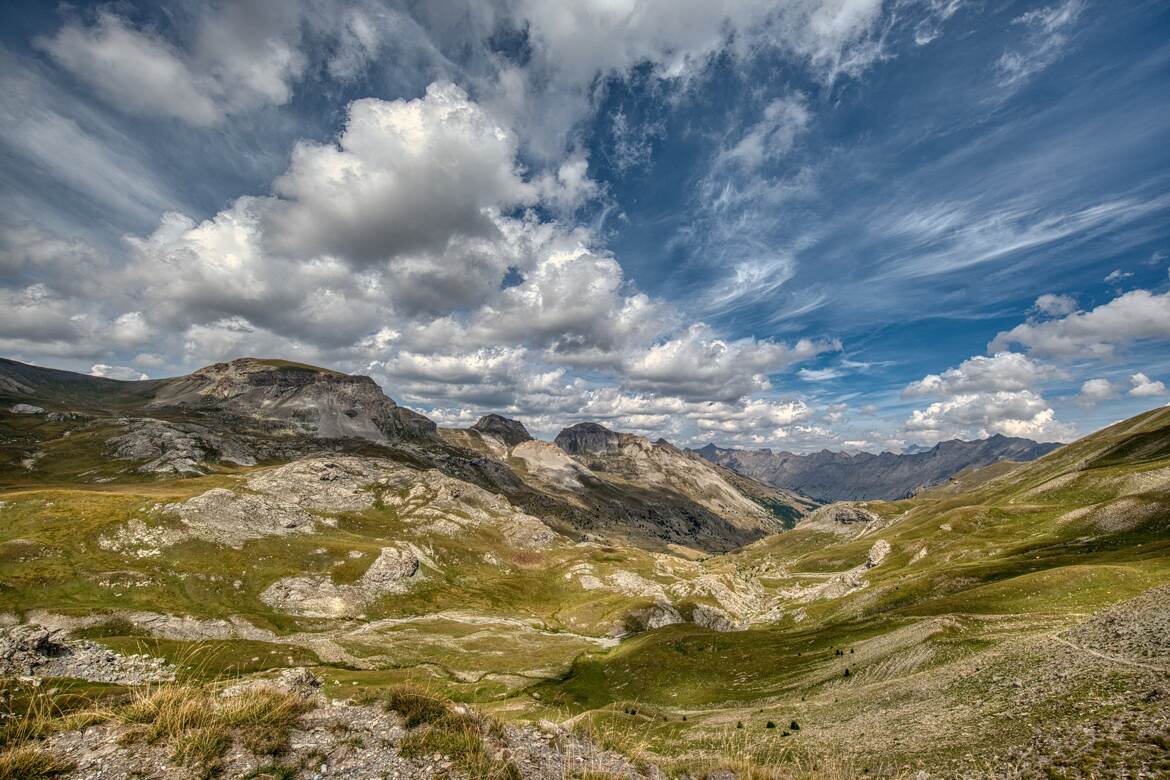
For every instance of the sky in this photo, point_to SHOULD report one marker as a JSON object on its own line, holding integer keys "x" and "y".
{"x": 796, "y": 224}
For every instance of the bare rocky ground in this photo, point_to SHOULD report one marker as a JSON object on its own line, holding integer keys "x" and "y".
{"x": 30, "y": 651}
{"x": 342, "y": 739}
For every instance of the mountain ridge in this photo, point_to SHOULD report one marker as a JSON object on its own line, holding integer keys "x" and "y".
{"x": 251, "y": 411}
{"x": 841, "y": 476}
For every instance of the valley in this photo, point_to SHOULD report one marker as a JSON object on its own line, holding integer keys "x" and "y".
{"x": 616, "y": 606}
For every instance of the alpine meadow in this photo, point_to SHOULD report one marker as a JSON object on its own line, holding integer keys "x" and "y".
{"x": 582, "y": 390}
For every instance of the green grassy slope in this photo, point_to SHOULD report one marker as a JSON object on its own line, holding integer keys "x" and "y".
{"x": 954, "y": 645}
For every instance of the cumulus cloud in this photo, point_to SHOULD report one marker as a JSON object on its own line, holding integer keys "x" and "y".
{"x": 982, "y": 396}
{"x": 1141, "y": 386}
{"x": 1093, "y": 391}
{"x": 116, "y": 372}
{"x": 1004, "y": 371}
{"x": 1136, "y": 316}
{"x": 403, "y": 178}
{"x": 387, "y": 251}
{"x": 698, "y": 365}
{"x": 1055, "y": 305}
{"x": 979, "y": 415}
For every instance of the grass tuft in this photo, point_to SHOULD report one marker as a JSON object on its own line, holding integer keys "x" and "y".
{"x": 416, "y": 705}
{"x": 200, "y": 725}
{"x": 27, "y": 762}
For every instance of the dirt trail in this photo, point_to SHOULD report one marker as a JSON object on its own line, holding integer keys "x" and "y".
{"x": 1107, "y": 657}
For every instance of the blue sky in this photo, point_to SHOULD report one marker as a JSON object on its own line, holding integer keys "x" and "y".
{"x": 817, "y": 223}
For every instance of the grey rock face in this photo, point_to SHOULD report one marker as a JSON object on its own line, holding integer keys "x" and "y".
{"x": 174, "y": 448}
{"x": 233, "y": 518}
{"x": 318, "y": 596}
{"x": 512, "y": 432}
{"x": 299, "y": 399}
{"x": 587, "y": 439}
{"x": 35, "y": 650}
{"x": 840, "y": 476}
{"x": 714, "y": 619}
{"x": 26, "y": 409}
{"x": 657, "y": 615}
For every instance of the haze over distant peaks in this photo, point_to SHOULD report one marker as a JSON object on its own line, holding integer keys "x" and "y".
{"x": 841, "y": 476}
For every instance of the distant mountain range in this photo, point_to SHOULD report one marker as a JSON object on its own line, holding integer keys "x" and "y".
{"x": 840, "y": 476}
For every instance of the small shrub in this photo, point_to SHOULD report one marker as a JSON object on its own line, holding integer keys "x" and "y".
{"x": 771, "y": 725}
{"x": 794, "y": 726}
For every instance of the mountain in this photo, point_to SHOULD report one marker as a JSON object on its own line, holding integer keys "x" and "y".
{"x": 202, "y": 581}
{"x": 841, "y": 476}
{"x": 636, "y": 488}
{"x": 253, "y": 411}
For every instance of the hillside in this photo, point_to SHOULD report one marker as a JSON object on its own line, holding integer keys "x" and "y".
{"x": 261, "y": 411}
{"x": 843, "y": 476}
{"x": 1015, "y": 627}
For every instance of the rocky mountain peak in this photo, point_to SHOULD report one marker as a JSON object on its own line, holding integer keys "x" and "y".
{"x": 512, "y": 432}
{"x": 587, "y": 439}
{"x": 307, "y": 399}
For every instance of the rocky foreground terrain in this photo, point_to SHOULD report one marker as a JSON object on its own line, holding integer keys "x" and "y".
{"x": 270, "y": 570}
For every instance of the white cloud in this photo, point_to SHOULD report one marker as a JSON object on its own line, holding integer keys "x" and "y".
{"x": 1046, "y": 37}
{"x": 403, "y": 178}
{"x": 244, "y": 55}
{"x": 819, "y": 374}
{"x": 1136, "y": 316}
{"x": 1056, "y": 305}
{"x": 700, "y": 366}
{"x": 136, "y": 71}
{"x": 772, "y": 137}
{"x": 1004, "y": 371}
{"x": 983, "y": 396}
{"x": 1117, "y": 275}
{"x": 1141, "y": 386}
{"x": 116, "y": 372}
{"x": 1093, "y": 391}
{"x": 977, "y": 415}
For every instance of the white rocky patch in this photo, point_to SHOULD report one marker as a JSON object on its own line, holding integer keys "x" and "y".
{"x": 138, "y": 540}
{"x": 843, "y": 583}
{"x": 230, "y": 518}
{"x": 394, "y": 571}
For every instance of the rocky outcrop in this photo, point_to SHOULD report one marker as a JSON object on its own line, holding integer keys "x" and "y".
{"x": 511, "y": 432}
{"x": 842, "y": 476}
{"x": 299, "y": 399}
{"x": 231, "y": 518}
{"x": 35, "y": 650}
{"x": 843, "y": 583}
{"x": 26, "y": 409}
{"x": 588, "y": 439}
{"x": 843, "y": 519}
{"x": 715, "y": 619}
{"x": 657, "y": 615}
{"x": 176, "y": 448}
{"x": 318, "y": 596}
